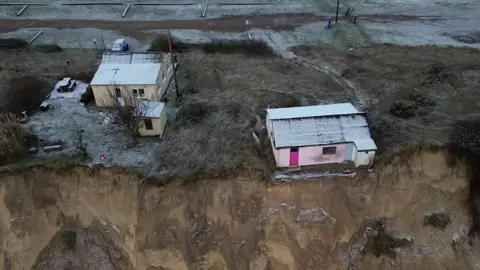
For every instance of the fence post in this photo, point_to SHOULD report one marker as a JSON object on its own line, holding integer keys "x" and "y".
{"x": 103, "y": 42}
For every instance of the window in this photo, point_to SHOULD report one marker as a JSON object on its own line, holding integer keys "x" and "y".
{"x": 329, "y": 150}
{"x": 148, "y": 124}
{"x": 140, "y": 92}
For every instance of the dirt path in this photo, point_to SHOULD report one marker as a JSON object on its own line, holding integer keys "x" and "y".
{"x": 137, "y": 29}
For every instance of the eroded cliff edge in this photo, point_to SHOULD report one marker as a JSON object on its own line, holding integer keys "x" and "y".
{"x": 120, "y": 223}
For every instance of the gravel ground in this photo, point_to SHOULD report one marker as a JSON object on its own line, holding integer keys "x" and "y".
{"x": 151, "y": 12}
{"x": 444, "y": 23}
{"x": 68, "y": 118}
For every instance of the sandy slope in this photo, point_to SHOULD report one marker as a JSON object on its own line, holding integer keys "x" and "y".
{"x": 226, "y": 224}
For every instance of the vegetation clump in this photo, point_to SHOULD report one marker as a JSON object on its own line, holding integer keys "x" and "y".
{"x": 69, "y": 239}
{"x": 12, "y": 44}
{"x": 438, "y": 220}
{"x": 247, "y": 47}
{"x": 383, "y": 243}
{"x": 87, "y": 96}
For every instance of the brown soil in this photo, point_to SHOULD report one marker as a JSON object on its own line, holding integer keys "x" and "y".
{"x": 233, "y": 224}
{"x": 137, "y": 29}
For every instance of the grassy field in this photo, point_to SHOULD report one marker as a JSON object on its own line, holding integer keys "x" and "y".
{"x": 435, "y": 87}
{"x": 218, "y": 107}
{"x": 416, "y": 94}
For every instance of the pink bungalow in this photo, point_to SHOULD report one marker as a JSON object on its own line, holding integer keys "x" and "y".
{"x": 319, "y": 135}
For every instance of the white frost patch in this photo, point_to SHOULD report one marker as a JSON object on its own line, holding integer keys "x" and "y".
{"x": 270, "y": 212}
{"x": 316, "y": 215}
{"x": 80, "y": 88}
{"x": 115, "y": 227}
{"x": 288, "y": 206}
{"x": 459, "y": 235}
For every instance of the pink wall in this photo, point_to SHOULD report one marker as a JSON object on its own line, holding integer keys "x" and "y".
{"x": 311, "y": 155}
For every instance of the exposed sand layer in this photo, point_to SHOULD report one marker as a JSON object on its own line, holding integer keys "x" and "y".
{"x": 232, "y": 224}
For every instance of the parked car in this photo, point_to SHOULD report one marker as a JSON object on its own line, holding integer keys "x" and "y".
{"x": 120, "y": 45}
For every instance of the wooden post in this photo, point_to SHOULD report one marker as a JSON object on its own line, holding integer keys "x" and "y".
{"x": 22, "y": 10}
{"x": 338, "y": 6}
{"x": 104, "y": 46}
{"x": 205, "y": 9}
{"x": 173, "y": 64}
{"x": 126, "y": 10}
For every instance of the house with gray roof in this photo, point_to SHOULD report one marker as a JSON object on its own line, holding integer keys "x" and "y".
{"x": 335, "y": 134}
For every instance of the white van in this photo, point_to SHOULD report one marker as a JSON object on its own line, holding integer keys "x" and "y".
{"x": 120, "y": 45}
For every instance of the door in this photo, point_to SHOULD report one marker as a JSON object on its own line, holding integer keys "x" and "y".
{"x": 120, "y": 99}
{"x": 293, "y": 156}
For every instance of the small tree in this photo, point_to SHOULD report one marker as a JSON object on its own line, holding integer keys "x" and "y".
{"x": 80, "y": 144}
{"x": 128, "y": 109}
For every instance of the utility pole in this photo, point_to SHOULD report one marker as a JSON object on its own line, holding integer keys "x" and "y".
{"x": 173, "y": 64}
{"x": 338, "y": 6}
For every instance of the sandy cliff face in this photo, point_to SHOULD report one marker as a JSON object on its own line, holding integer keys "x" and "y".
{"x": 232, "y": 224}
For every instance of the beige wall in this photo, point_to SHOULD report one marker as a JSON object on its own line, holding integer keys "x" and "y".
{"x": 105, "y": 95}
{"x": 158, "y": 126}
{"x": 166, "y": 73}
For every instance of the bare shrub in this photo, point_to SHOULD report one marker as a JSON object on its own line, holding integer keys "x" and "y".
{"x": 403, "y": 109}
{"x": 23, "y": 93}
{"x": 128, "y": 111}
{"x": 87, "y": 96}
{"x": 383, "y": 243}
{"x": 247, "y": 47}
{"x": 48, "y": 48}
{"x": 193, "y": 113}
{"x": 12, "y": 134}
{"x": 69, "y": 239}
{"x": 80, "y": 144}
{"x": 12, "y": 43}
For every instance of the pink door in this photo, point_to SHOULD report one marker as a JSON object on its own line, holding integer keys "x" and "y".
{"x": 294, "y": 157}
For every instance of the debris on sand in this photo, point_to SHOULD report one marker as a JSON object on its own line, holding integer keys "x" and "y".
{"x": 317, "y": 215}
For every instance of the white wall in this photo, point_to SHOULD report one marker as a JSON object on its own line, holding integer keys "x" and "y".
{"x": 364, "y": 158}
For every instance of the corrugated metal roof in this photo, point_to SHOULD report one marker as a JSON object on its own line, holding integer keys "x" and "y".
{"x": 323, "y": 130}
{"x": 126, "y": 74}
{"x": 151, "y": 109}
{"x": 131, "y": 58}
{"x": 312, "y": 111}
